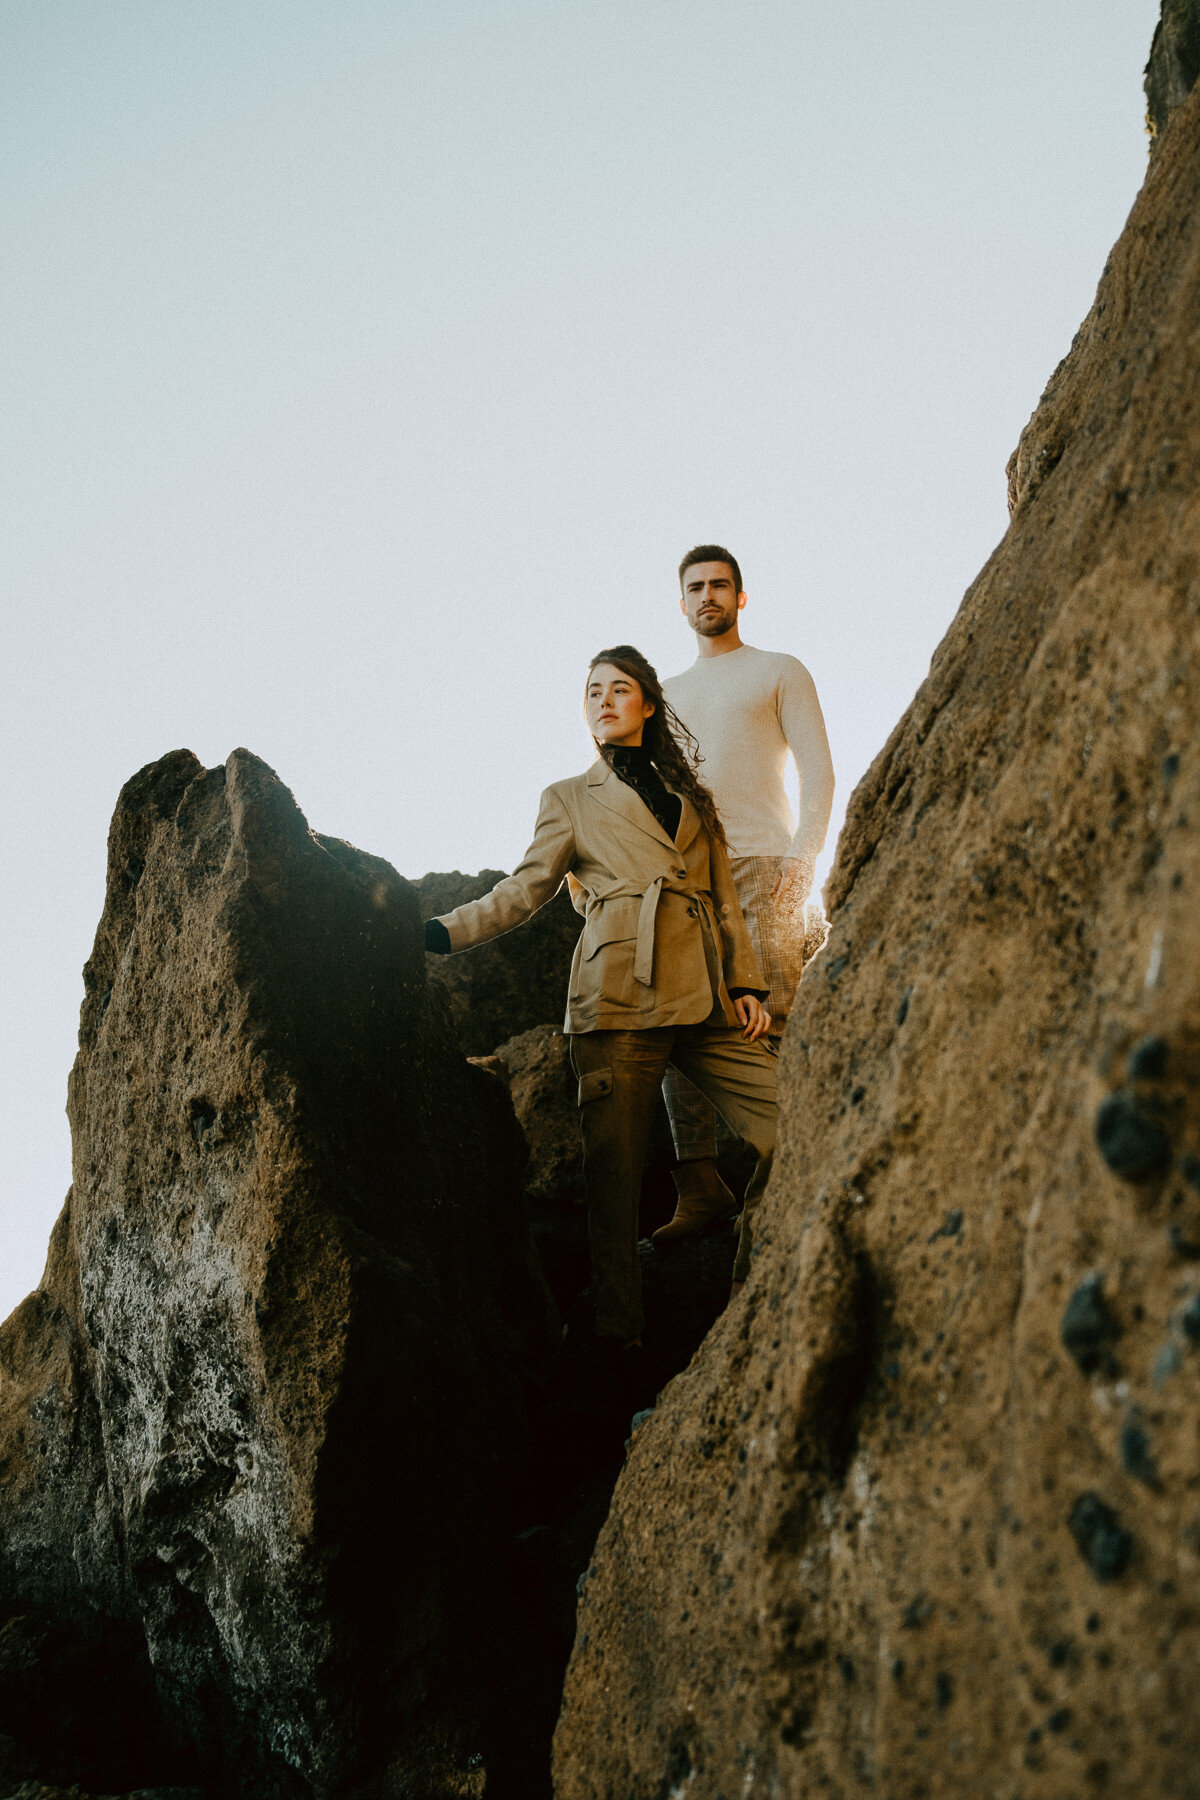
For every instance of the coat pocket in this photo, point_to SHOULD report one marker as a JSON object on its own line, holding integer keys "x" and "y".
{"x": 610, "y": 923}
{"x": 594, "y": 1085}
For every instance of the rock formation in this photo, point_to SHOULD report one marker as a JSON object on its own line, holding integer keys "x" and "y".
{"x": 922, "y": 1518}
{"x": 261, "y": 1422}
{"x": 297, "y": 1473}
{"x": 1174, "y": 63}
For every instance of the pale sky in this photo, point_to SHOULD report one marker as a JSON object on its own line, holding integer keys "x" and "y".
{"x": 368, "y": 365}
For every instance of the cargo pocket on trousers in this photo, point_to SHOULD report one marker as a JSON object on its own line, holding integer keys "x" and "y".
{"x": 594, "y": 1085}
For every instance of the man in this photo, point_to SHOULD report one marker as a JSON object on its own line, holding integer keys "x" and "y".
{"x": 749, "y": 710}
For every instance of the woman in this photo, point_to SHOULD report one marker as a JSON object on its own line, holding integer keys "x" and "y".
{"x": 663, "y": 971}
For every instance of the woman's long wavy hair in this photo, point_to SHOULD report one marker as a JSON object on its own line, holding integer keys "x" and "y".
{"x": 673, "y": 750}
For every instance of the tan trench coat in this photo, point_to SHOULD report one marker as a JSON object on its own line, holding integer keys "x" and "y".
{"x": 663, "y": 936}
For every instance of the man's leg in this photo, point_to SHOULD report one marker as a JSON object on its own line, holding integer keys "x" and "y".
{"x": 777, "y": 934}
{"x": 778, "y": 939}
{"x": 620, "y": 1073}
{"x": 693, "y": 1118}
{"x": 703, "y": 1196}
{"x": 741, "y": 1081}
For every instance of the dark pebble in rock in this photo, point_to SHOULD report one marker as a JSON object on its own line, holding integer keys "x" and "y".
{"x": 1136, "y": 1455}
{"x": 1190, "y": 1319}
{"x": 902, "y": 1009}
{"x": 943, "y": 1685}
{"x": 1182, "y": 1244}
{"x": 1130, "y": 1141}
{"x": 1147, "y": 1060}
{"x": 1101, "y": 1539}
{"x": 1088, "y": 1327}
{"x": 916, "y": 1613}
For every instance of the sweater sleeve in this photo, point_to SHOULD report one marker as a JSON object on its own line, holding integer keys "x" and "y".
{"x": 803, "y": 726}
{"x": 535, "y": 880}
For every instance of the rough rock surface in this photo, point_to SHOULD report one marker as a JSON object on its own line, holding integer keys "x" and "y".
{"x": 922, "y": 1518}
{"x": 1174, "y": 63}
{"x": 259, "y": 1422}
{"x": 499, "y": 990}
{"x": 538, "y": 1067}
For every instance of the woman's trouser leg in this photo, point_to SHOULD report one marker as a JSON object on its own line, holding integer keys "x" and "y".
{"x": 620, "y": 1073}
{"x": 741, "y": 1081}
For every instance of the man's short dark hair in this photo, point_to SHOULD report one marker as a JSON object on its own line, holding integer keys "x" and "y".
{"x": 711, "y": 553}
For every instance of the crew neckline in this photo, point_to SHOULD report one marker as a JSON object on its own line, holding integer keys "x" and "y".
{"x": 706, "y": 662}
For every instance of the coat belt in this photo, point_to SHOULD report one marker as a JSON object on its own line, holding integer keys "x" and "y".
{"x": 643, "y": 958}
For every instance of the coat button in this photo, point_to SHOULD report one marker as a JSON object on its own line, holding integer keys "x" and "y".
{"x": 692, "y": 913}
{"x": 680, "y": 874}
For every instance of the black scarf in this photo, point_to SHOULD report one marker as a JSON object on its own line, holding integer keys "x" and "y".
{"x": 631, "y": 762}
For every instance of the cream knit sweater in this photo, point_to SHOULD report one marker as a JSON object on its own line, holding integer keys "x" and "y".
{"x": 748, "y": 709}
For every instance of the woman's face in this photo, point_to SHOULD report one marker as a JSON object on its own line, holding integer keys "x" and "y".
{"x": 615, "y": 707}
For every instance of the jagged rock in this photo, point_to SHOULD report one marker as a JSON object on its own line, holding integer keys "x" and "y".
{"x": 543, "y": 1088}
{"x": 38, "y": 1790}
{"x": 880, "y": 1537}
{"x": 263, "y": 1417}
{"x": 1174, "y": 63}
{"x": 500, "y": 990}
{"x": 1102, "y": 376}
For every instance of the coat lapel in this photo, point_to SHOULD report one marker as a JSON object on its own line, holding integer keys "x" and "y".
{"x": 689, "y": 823}
{"x": 613, "y": 793}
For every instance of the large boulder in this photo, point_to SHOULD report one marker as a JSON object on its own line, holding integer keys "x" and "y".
{"x": 261, "y": 1422}
{"x": 921, "y": 1517}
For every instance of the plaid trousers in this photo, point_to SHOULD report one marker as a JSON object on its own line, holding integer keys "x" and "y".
{"x": 779, "y": 943}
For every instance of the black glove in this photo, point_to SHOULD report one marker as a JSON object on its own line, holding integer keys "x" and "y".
{"x": 437, "y": 938}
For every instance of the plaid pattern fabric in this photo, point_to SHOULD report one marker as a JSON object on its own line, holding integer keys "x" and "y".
{"x": 780, "y": 945}
{"x": 778, "y": 938}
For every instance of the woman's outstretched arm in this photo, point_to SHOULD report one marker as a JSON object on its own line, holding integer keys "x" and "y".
{"x": 536, "y": 879}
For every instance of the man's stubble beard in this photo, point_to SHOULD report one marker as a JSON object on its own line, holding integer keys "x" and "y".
{"x": 715, "y": 624}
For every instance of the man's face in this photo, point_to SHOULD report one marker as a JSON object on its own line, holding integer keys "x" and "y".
{"x": 710, "y": 602}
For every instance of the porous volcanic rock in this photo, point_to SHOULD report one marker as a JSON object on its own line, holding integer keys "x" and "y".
{"x": 500, "y": 990}
{"x": 918, "y": 1520}
{"x": 259, "y": 1422}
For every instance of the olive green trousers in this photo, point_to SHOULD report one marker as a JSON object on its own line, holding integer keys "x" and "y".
{"x": 620, "y": 1076}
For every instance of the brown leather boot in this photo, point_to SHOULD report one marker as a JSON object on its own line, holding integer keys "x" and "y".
{"x": 704, "y": 1200}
